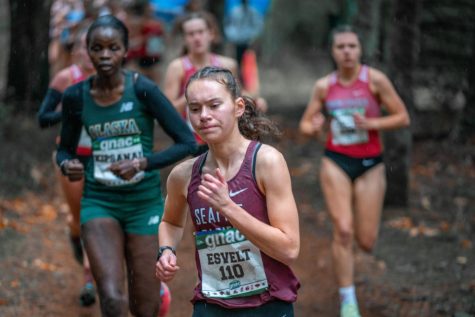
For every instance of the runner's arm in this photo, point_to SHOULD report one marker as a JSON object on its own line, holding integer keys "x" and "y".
{"x": 48, "y": 115}
{"x": 397, "y": 117}
{"x": 173, "y": 78}
{"x": 261, "y": 103}
{"x": 280, "y": 239}
{"x": 232, "y": 65}
{"x": 71, "y": 123}
{"x": 313, "y": 120}
{"x": 173, "y": 223}
{"x": 171, "y": 122}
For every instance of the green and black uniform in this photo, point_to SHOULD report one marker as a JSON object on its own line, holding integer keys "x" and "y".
{"x": 123, "y": 130}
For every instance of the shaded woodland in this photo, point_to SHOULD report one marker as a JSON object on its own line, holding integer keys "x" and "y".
{"x": 423, "y": 264}
{"x": 425, "y": 46}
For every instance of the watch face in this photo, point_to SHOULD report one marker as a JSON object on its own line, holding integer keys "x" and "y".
{"x": 161, "y": 249}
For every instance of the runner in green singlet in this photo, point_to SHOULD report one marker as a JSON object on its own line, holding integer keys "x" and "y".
{"x": 122, "y": 204}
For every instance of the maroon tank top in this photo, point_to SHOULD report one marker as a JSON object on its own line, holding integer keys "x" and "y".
{"x": 243, "y": 190}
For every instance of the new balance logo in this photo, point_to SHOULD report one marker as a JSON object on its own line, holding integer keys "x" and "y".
{"x": 232, "y": 194}
{"x": 153, "y": 220}
{"x": 127, "y": 106}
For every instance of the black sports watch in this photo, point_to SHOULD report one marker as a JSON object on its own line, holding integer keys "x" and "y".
{"x": 163, "y": 248}
{"x": 62, "y": 167}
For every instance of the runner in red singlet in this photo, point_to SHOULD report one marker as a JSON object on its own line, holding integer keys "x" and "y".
{"x": 49, "y": 115}
{"x": 197, "y": 29}
{"x": 352, "y": 171}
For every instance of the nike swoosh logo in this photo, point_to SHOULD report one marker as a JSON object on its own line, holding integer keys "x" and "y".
{"x": 367, "y": 163}
{"x": 232, "y": 194}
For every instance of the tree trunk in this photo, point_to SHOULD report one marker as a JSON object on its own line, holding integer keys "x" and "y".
{"x": 467, "y": 124}
{"x": 368, "y": 25}
{"x": 4, "y": 40}
{"x": 27, "y": 77}
{"x": 404, "y": 39}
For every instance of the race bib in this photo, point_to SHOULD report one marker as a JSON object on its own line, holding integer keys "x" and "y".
{"x": 114, "y": 149}
{"x": 231, "y": 265}
{"x": 343, "y": 127}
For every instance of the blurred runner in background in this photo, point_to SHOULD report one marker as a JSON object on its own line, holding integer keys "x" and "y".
{"x": 198, "y": 31}
{"x": 168, "y": 11}
{"x": 66, "y": 15}
{"x": 352, "y": 174}
{"x": 243, "y": 24}
{"x": 147, "y": 38}
{"x": 50, "y": 115}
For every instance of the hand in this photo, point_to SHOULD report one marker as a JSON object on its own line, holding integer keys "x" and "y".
{"x": 73, "y": 169}
{"x": 363, "y": 123}
{"x": 318, "y": 120}
{"x": 214, "y": 190}
{"x": 125, "y": 169}
{"x": 166, "y": 268}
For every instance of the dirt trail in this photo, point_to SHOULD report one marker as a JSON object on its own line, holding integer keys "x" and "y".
{"x": 423, "y": 265}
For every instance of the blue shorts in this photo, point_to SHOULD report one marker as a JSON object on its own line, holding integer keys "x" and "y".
{"x": 274, "y": 308}
{"x": 135, "y": 217}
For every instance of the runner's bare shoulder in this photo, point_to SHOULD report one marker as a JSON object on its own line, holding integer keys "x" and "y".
{"x": 61, "y": 80}
{"x": 321, "y": 86}
{"x": 268, "y": 156}
{"x": 176, "y": 67}
{"x": 228, "y": 63}
{"x": 270, "y": 159}
{"x": 378, "y": 80}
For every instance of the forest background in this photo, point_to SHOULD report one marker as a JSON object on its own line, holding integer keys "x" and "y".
{"x": 423, "y": 265}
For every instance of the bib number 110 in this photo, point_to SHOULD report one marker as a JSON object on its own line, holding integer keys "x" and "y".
{"x": 230, "y": 272}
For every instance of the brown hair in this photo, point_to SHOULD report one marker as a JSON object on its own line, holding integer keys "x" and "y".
{"x": 342, "y": 29}
{"x": 210, "y": 21}
{"x": 253, "y": 124}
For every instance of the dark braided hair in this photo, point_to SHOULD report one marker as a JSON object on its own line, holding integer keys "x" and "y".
{"x": 109, "y": 21}
{"x": 252, "y": 124}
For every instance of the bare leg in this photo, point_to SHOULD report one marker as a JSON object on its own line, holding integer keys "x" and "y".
{"x": 72, "y": 193}
{"x": 144, "y": 287}
{"x": 337, "y": 190}
{"x": 104, "y": 242}
{"x": 369, "y": 197}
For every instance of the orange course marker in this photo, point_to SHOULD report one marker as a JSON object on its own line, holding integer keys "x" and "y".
{"x": 250, "y": 72}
